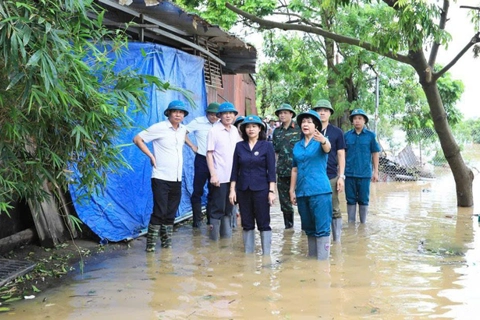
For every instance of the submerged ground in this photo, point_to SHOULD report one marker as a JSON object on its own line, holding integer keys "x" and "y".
{"x": 417, "y": 257}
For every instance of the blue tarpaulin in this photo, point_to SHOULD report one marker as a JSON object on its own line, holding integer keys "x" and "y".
{"x": 123, "y": 210}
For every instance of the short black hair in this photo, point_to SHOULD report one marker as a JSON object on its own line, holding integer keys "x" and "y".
{"x": 261, "y": 135}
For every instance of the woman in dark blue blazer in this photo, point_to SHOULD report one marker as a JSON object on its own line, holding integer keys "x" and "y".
{"x": 252, "y": 183}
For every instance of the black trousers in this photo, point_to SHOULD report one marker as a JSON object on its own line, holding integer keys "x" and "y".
{"x": 166, "y": 199}
{"x": 202, "y": 175}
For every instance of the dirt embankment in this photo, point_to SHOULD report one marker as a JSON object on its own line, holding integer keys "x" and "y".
{"x": 52, "y": 267}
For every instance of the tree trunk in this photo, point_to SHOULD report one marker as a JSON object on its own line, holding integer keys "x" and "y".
{"x": 462, "y": 174}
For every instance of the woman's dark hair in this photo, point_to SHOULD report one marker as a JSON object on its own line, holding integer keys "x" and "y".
{"x": 315, "y": 121}
{"x": 261, "y": 135}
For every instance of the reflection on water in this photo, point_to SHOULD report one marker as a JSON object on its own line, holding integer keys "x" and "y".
{"x": 418, "y": 257}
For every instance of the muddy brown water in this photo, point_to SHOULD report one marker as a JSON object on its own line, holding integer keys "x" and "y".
{"x": 418, "y": 257}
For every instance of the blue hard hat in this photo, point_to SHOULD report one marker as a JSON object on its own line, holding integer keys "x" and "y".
{"x": 238, "y": 121}
{"x": 176, "y": 105}
{"x": 226, "y": 107}
{"x": 311, "y": 114}
{"x": 358, "y": 112}
{"x": 253, "y": 119}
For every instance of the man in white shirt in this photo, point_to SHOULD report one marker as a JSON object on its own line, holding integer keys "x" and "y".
{"x": 200, "y": 127}
{"x": 168, "y": 138}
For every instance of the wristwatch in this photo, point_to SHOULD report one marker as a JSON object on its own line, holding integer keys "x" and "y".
{"x": 342, "y": 176}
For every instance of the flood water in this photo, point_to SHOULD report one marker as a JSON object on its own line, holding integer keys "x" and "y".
{"x": 418, "y": 257}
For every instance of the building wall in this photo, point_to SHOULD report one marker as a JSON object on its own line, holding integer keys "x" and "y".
{"x": 238, "y": 89}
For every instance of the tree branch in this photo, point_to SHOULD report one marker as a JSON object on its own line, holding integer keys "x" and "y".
{"x": 442, "y": 24}
{"x": 475, "y": 39}
{"x": 268, "y": 24}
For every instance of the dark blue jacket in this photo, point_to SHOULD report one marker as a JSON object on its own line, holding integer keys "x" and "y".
{"x": 253, "y": 169}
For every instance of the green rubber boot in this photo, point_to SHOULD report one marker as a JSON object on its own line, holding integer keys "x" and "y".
{"x": 152, "y": 237}
{"x": 166, "y": 232}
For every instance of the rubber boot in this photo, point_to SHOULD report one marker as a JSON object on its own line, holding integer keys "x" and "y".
{"x": 226, "y": 227}
{"x": 197, "y": 215}
{"x": 166, "y": 232}
{"x": 312, "y": 246}
{"x": 266, "y": 238}
{"x": 249, "y": 240}
{"x": 323, "y": 248}
{"x": 363, "y": 210}
{"x": 352, "y": 212}
{"x": 152, "y": 237}
{"x": 288, "y": 219}
{"x": 234, "y": 216}
{"x": 214, "y": 229}
{"x": 337, "y": 229}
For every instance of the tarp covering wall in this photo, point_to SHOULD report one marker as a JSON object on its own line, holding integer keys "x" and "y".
{"x": 124, "y": 210}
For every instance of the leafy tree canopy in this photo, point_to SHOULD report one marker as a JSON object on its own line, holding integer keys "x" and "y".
{"x": 61, "y": 102}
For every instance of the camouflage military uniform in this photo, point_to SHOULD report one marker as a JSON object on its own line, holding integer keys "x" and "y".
{"x": 283, "y": 142}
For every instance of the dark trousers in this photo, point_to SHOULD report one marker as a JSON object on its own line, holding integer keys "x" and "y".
{"x": 219, "y": 204}
{"x": 202, "y": 175}
{"x": 357, "y": 190}
{"x": 283, "y": 187}
{"x": 254, "y": 206}
{"x": 166, "y": 199}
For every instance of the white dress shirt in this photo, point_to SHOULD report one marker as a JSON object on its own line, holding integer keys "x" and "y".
{"x": 167, "y": 149}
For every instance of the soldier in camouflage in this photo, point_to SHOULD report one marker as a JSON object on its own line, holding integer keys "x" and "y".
{"x": 284, "y": 138}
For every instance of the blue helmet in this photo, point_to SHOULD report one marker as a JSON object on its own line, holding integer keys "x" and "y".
{"x": 238, "y": 121}
{"x": 311, "y": 114}
{"x": 358, "y": 112}
{"x": 253, "y": 119}
{"x": 226, "y": 107}
{"x": 176, "y": 105}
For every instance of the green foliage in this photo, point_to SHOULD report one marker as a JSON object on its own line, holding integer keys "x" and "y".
{"x": 293, "y": 74}
{"x": 54, "y": 111}
{"x": 215, "y": 12}
{"x": 469, "y": 131}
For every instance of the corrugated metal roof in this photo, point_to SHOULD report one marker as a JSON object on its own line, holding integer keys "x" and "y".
{"x": 168, "y": 24}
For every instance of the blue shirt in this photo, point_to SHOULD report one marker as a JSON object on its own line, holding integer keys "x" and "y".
{"x": 311, "y": 164}
{"x": 358, "y": 159}
{"x": 337, "y": 141}
{"x": 253, "y": 169}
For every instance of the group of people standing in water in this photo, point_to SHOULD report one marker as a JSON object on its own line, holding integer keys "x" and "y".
{"x": 309, "y": 161}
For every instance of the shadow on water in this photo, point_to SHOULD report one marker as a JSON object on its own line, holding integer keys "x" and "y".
{"x": 417, "y": 257}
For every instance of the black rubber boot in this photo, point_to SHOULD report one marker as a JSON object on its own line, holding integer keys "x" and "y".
{"x": 288, "y": 219}
{"x": 197, "y": 214}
